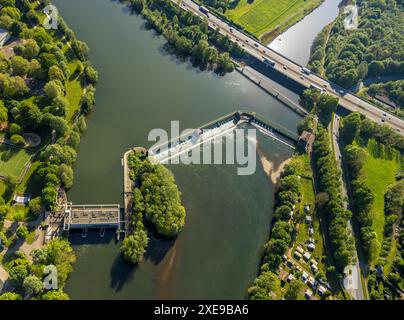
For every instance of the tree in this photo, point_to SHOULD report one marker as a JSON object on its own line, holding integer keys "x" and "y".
{"x": 310, "y": 98}
{"x": 66, "y": 175}
{"x": 17, "y": 140}
{"x": 55, "y": 73}
{"x": 22, "y": 231}
{"x": 3, "y": 112}
{"x": 326, "y": 105}
{"x": 81, "y": 49}
{"x": 19, "y": 66}
{"x": 91, "y": 75}
{"x": 55, "y": 295}
{"x": 16, "y": 87}
{"x": 31, "y": 49}
{"x": 35, "y": 206}
{"x": 27, "y": 115}
{"x": 53, "y": 89}
{"x": 294, "y": 290}
{"x": 283, "y": 213}
{"x": 36, "y": 71}
{"x": 290, "y": 183}
{"x": 14, "y": 129}
{"x": 10, "y": 296}
{"x": 33, "y": 286}
{"x": 266, "y": 287}
{"x": 351, "y": 127}
{"x": 134, "y": 245}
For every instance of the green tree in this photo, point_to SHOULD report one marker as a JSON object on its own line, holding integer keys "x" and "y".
{"x": 33, "y": 286}
{"x": 22, "y": 231}
{"x": 294, "y": 290}
{"x": 55, "y": 295}
{"x": 19, "y": 65}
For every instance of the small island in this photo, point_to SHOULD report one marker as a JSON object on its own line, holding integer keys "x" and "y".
{"x": 155, "y": 200}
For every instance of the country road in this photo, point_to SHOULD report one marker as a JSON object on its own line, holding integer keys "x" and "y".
{"x": 293, "y": 70}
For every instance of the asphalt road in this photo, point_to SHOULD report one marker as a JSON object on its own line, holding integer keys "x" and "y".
{"x": 294, "y": 71}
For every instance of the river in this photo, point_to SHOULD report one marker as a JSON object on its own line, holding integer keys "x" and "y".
{"x": 295, "y": 43}
{"x": 141, "y": 88}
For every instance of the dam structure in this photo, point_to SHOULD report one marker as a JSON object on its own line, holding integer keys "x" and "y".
{"x": 164, "y": 152}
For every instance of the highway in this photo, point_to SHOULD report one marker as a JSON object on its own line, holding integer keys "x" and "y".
{"x": 293, "y": 70}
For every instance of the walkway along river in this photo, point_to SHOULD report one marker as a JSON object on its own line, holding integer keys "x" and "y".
{"x": 141, "y": 88}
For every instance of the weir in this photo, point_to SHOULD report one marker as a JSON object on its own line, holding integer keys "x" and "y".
{"x": 166, "y": 151}
{"x": 98, "y": 216}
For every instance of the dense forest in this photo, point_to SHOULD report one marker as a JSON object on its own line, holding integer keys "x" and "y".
{"x": 34, "y": 97}
{"x": 375, "y": 50}
{"x": 156, "y": 199}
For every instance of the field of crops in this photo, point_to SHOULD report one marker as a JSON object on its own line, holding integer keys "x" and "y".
{"x": 263, "y": 16}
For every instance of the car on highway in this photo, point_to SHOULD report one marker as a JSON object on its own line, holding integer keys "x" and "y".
{"x": 285, "y": 67}
{"x": 256, "y": 45}
{"x": 231, "y": 30}
{"x": 301, "y": 77}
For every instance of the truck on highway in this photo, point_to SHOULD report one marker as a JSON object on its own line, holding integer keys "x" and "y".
{"x": 269, "y": 62}
{"x": 204, "y": 10}
{"x": 314, "y": 86}
{"x": 306, "y": 71}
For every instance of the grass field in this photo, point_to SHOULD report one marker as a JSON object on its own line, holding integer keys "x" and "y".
{"x": 264, "y": 16}
{"x": 13, "y": 160}
{"x": 379, "y": 171}
{"x": 74, "y": 90}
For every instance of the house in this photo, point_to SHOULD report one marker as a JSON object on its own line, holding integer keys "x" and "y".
{"x": 311, "y": 231}
{"x": 308, "y": 219}
{"x": 321, "y": 290}
{"x": 305, "y": 275}
{"x": 290, "y": 277}
{"x": 300, "y": 249}
{"x": 311, "y": 246}
{"x": 297, "y": 255}
{"x": 298, "y": 268}
{"x": 4, "y": 37}
{"x": 289, "y": 263}
{"x": 314, "y": 268}
{"x": 24, "y": 199}
{"x": 305, "y": 141}
{"x": 308, "y": 294}
{"x": 284, "y": 257}
{"x": 312, "y": 282}
{"x": 307, "y": 208}
{"x": 306, "y": 256}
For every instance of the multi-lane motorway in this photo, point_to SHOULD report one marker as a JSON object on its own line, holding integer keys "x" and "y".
{"x": 293, "y": 70}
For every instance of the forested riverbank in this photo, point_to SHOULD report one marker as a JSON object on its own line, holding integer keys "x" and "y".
{"x": 372, "y": 50}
